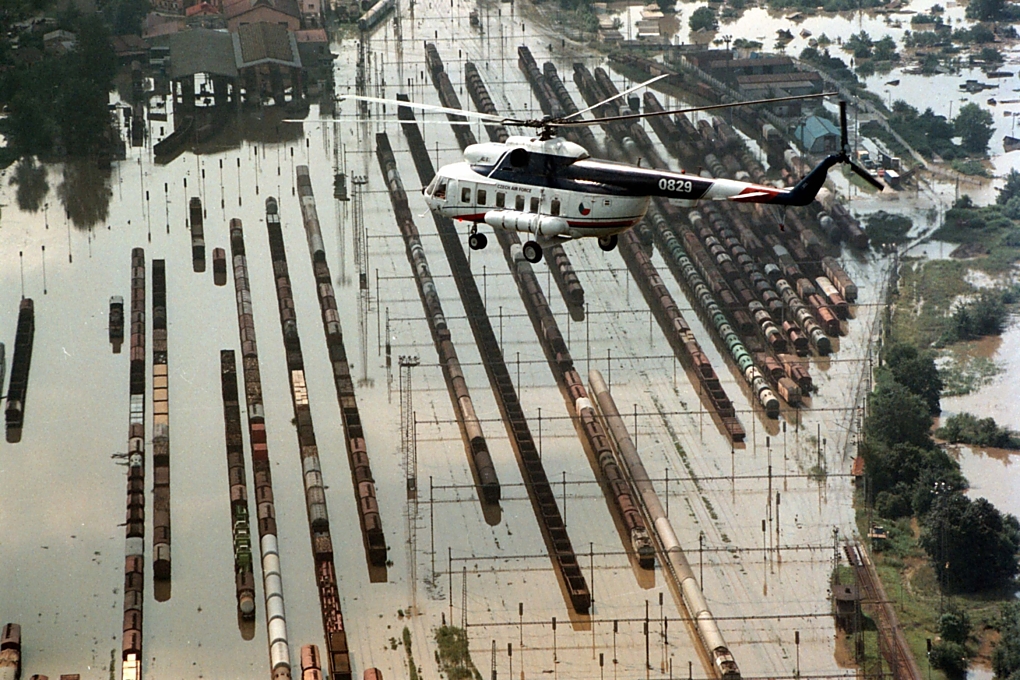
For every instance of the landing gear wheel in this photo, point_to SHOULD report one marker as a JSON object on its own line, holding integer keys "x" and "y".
{"x": 532, "y": 252}
{"x": 477, "y": 241}
{"x": 608, "y": 243}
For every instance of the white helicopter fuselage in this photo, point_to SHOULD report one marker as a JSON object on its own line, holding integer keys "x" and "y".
{"x": 471, "y": 197}
{"x": 483, "y": 189}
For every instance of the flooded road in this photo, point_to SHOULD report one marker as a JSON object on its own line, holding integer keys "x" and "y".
{"x": 61, "y": 567}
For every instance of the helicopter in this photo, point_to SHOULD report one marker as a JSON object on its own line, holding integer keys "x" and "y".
{"x": 550, "y": 188}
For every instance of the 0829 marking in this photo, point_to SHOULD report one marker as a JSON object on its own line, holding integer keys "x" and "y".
{"x": 678, "y": 185}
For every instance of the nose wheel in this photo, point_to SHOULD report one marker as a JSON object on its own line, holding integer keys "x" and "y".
{"x": 477, "y": 241}
{"x": 608, "y": 243}
{"x": 532, "y": 252}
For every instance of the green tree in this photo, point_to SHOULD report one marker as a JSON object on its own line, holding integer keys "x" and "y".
{"x": 703, "y": 18}
{"x": 986, "y": 10}
{"x": 1011, "y": 189}
{"x": 884, "y": 227}
{"x": 667, "y": 6}
{"x": 971, "y": 545}
{"x": 916, "y": 371}
{"x": 1006, "y": 657}
{"x": 885, "y": 50}
{"x": 860, "y": 45}
{"x": 974, "y": 125}
{"x": 954, "y": 625}
{"x": 898, "y": 416}
{"x": 950, "y": 658}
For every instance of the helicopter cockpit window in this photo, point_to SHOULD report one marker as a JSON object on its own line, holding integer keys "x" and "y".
{"x": 519, "y": 203}
{"x": 432, "y": 186}
{"x": 465, "y": 195}
{"x": 554, "y": 206}
{"x": 500, "y": 199}
{"x": 441, "y": 189}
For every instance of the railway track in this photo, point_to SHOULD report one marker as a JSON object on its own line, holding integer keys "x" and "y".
{"x": 891, "y": 640}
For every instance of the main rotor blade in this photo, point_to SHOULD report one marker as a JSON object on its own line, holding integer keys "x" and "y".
{"x": 638, "y": 116}
{"x": 617, "y": 96}
{"x": 865, "y": 175}
{"x": 430, "y": 107}
{"x": 374, "y": 121}
{"x": 844, "y": 144}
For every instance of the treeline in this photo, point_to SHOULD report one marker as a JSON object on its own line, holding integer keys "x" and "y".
{"x": 931, "y": 134}
{"x": 970, "y": 544}
{"x": 966, "y": 428}
{"x": 57, "y": 105}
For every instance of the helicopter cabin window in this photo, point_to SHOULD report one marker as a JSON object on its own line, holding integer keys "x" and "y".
{"x": 519, "y": 203}
{"x": 534, "y": 204}
{"x": 481, "y": 197}
{"x": 500, "y": 199}
{"x": 441, "y": 189}
{"x": 554, "y": 206}
{"x": 465, "y": 195}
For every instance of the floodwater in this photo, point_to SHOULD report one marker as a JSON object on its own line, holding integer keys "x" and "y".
{"x": 994, "y": 473}
{"x": 61, "y": 567}
{"x": 760, "y": 24}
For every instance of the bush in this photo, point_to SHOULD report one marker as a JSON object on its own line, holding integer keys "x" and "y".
{"x": 966, "y": 428}
{"x": 703, "y": 18}
{"x": 884, "y": 227}
{"x": 949, "y": 657}
{"x": 985, "y": 316}
{"x": 916, "y": 371}
{"x": 954, "y": 626}
{"x": 974, "y": 125}
{"x": 1006, "y": 657}
{"x": 894, "y": 504}
{"x": 898, "y": 416}
{"x": 971, "y": 545}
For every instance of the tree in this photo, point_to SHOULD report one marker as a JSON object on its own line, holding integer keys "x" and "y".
{"x": 974, "y": 125}
{"x": 860, "y": 45}
{"x": 1011, "y": 189}
{"x": 667, "y": 6}
{"x": 971, "y": 545}
{"x": 1006, "y": 657}
{"x": 950, "y": 658}
{"x": 884, "y": 227}
{"x": 916, "y": 371}
{"x": 885, "y": 50}
{"x": 703, "y": 18}
{"x": 986, "y": 10}
{"x": 898, "y": 416}
{"x": 954, "y": 625}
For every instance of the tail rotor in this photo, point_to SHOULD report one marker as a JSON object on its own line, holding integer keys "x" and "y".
{"x": 845, "y": 151}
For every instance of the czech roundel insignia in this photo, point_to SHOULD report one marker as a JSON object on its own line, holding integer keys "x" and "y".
{"x": 584, "y": 209}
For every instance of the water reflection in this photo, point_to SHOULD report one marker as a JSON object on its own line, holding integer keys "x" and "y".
{"x": 85, "y": 192}
{"x": 31, "y": 179}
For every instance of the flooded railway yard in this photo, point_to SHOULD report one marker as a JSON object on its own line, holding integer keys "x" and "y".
{"x": 761, "y": 522}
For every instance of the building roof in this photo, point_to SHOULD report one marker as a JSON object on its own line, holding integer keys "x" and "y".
{"x": 202, "y": 8}
{"x": 235, "y": 8}
{"x": 781, "y": 78}
{"x": 814, "y": 128}
{"x": 128, "y": 45}
{"x": 311, "y": 35}
{"x": 201, "y": 50}
{"x": 259, "y": 43}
